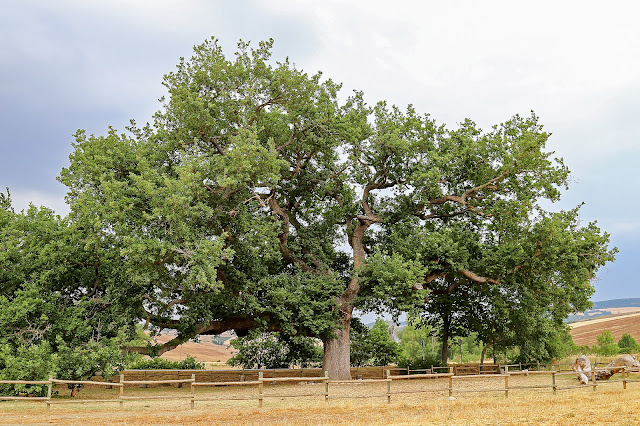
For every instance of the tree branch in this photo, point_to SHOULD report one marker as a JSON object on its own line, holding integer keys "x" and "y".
{"x": 239, "y": 324}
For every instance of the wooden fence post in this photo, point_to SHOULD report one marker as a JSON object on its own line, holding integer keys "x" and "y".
{"x": 593, "y": 379}
{"x": 450, "y": 386}
{"x": 553, "y": 379}
{"x": 388, "y": 387}
{"x": 624, "y": 377}
{"x": 260, "y": 388}
{"x": 326, "y": 387}
{"x": 193, "y": 391}
{"x": 49, "y": 392}
{"x": 506, "y": 385}
{"x": 121, "y": 391}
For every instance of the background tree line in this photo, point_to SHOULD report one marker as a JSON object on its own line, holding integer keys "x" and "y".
{"x": 384, "y": 344}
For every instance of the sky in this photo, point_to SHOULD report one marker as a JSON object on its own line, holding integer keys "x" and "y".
{"x": 75, "y": 64}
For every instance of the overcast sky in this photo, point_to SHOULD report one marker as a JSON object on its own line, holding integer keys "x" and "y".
{"x": 73, "y": 64}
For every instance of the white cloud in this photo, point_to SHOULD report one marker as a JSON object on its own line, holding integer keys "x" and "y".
{"x": 622, "y": 228}
{"x": 73, "y": 63}
{"x": 22, "y": 198}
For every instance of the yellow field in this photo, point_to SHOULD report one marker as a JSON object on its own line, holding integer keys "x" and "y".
{"x": 608, "y": 404}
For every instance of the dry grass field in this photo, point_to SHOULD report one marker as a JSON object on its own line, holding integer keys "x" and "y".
{"x": 609, "y": 404}
{"x": 585, "y": 332}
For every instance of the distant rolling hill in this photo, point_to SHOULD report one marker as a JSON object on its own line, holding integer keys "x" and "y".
{"x": 585, "y": 332}
{"x": 606, "y": 308}
{"x": 619, "y": 316}
{"x": 617, "y": 303}
{"x": 206, "y": 350}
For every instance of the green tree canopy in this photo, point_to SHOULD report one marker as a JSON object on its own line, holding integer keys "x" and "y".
{"x": 628, "y": 344}
{"x": 373, "y": 346}
{"x": 59, "y": 311}
{"x": 272, "y": 350}
{"x": 258, "y": 200}
{"x": 606, "y": 344}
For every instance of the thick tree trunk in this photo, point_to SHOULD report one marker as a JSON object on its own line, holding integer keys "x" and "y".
{"x": 484, "y": 351}
{"x": 337, "y": 355}
{"x": 444, "y": 355}
{"x": 444, "y": 358}
{"x": 337, "y": 352}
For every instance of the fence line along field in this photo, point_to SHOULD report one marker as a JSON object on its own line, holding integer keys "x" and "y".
{"x": 609, "y": 404}
{"x": 315, "y": 394}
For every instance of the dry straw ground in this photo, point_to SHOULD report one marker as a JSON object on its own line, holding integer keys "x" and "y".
{"x": 609, "y": 404}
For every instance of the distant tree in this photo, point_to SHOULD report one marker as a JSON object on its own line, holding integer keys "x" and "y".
{"x": 628, "y": 344}
{"x": 450, "y": 314}
{"x": 606, "y": 344}
{"x": 416, "y": 341}
{"x": 373, "y": 346}
{"x": 270, "y": 350}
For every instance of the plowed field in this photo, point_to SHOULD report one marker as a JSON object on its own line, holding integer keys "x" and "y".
{"x": 203, "y": 351}
{"x": 585, "y": 332}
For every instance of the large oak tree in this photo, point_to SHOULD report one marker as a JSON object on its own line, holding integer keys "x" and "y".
{"x": 258, "y": 199}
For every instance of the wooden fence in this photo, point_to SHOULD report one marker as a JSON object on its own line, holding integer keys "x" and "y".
{"x": 454, "y": 386}
{"x": 237, "y": 375}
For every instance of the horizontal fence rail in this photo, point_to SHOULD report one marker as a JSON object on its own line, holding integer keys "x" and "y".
{"x": 451, "y": 384}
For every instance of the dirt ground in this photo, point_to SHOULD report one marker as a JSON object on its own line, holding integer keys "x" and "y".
{"x": 609, "y": 404}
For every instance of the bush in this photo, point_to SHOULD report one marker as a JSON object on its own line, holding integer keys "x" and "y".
{"x": 606, "y": 345}
{"x": 430, "y": 360}
{"x": 37, "y": 361}
{"x": 273, "y": 350}
{"x": 372, "y": 346}
{"x": 189, "y": 363}
{"x": 628, "y": 344}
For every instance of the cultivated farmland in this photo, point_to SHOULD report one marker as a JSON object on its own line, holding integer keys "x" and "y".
{"x": 585, "y": 332}
{"x": 204, "y": 351}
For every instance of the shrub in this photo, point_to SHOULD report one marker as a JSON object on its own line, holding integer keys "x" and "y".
{"x": 372, "y": 346}
{"x": 606, "y": 345}
{"x": 430, "y": 360}
{"x": 273, "y": 350}
{"x": 189, "y": 363}
{"x": 628, "y": 344}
